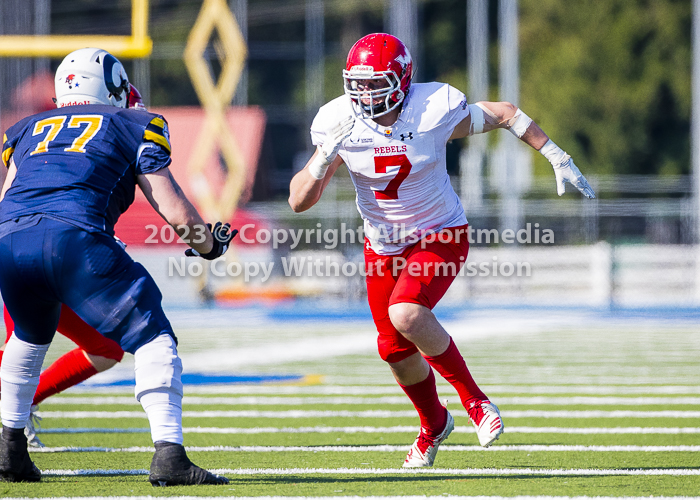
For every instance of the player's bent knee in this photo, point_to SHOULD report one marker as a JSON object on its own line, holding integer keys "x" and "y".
{"x": 158, "y": 368}
{"x": 405, "y": 317}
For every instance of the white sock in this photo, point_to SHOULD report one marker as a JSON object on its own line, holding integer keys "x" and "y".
{"x": 20, "y": 370}
{"x": 158, "y": 388}
{"x": 164, "y": 411}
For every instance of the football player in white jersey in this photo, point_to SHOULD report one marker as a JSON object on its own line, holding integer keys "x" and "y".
{"x": 392, "y": 134}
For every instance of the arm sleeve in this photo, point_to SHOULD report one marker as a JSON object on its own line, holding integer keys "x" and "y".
{"x": 154, "y": 152}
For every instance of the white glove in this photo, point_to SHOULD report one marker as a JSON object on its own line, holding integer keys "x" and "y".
{"x": 565, "y": 170}
{"x": 327, "y": 152}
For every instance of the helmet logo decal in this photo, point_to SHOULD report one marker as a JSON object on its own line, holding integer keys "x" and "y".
{"x": 69, "y": 81}
{"x": 403, "y": 60}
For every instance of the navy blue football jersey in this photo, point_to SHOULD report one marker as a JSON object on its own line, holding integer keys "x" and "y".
{"x": 78, "y": 164}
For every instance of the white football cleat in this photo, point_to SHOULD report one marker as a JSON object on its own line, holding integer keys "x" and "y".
{"x": 33, "y": 425}
{"x": 487, "y": 421}
{"x": 424, "y": 449}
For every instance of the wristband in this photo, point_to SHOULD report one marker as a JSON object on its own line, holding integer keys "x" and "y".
{"x": 318, "y": 167}
{"x": 520, "y": 124}
{"x": 553, "y": 153}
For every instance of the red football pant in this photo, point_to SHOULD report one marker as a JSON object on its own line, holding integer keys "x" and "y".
{"x": 421, "y": 274}
{"x": 73, "y": 367}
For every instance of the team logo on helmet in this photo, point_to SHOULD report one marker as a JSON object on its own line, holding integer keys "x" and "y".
{"x": 403, "y": 60}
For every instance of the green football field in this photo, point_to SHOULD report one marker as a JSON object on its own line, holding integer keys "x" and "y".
{"x": 593, "y": 407}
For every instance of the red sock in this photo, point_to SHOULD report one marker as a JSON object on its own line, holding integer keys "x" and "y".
{"x": 424, "y": 397}
{"x": 67, "y": 371}
{"x": 450, "y": 364}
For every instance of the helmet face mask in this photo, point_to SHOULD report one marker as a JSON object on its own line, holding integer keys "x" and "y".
{"x": 378, "y": 74}
{"x": 374, "y": 96}
{"x": 91, "y": 76}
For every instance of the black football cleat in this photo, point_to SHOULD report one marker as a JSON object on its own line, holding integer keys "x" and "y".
{"x": 171, "y": 467}
{"x": 15, "y": 464}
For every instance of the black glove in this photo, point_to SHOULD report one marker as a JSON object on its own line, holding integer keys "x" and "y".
{"x": 222, "y": 240}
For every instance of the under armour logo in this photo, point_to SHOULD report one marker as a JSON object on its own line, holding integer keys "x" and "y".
{"x": 409, "y": 136}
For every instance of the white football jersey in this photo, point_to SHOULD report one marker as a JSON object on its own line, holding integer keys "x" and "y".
{"x": 399, "y": 172}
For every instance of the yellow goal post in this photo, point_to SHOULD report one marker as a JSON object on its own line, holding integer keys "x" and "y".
{"x": 138, "y": 45}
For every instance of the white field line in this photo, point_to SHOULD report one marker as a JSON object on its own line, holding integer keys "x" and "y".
{"x": 373, "y": 414}
{"x": 379, "y": 448}
{"x": 381, "y": 430}
{"x": 385, "y": 400}
{"x": 451, "y": 472}
{"x": 408, "y": 497}
{"x": 362, "y": 390}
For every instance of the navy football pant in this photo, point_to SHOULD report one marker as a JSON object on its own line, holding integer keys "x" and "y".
{"x": 52, "y": 262}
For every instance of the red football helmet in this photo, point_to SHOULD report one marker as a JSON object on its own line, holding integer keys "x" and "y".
{"x": 378, "y": 74}
{"x": 134, "y": 99}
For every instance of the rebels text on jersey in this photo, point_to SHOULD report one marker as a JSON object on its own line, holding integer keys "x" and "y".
{"x": 399, "y": 172}
{"x": 78, "y": 164}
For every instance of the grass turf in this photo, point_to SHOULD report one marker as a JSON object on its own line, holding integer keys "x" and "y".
{"x": 527, "y": 360}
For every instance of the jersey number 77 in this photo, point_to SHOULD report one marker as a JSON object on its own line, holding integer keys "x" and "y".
{"x": 55, "y": 125}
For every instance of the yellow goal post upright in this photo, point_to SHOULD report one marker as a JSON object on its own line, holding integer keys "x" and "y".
{"x": 137, "y": 45}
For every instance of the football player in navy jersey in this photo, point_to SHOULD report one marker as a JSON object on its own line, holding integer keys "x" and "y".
{"x": 72, "y": 172}
{"x": 93, "y": 355}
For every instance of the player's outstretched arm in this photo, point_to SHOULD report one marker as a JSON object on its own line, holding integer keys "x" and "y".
{"x": 166, "y": 197}
{"x": 307, "y": 186}
{"x": 486, "y": 116}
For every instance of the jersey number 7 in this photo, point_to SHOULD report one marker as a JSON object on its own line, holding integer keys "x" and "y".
{"x": 391, "y": 192}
